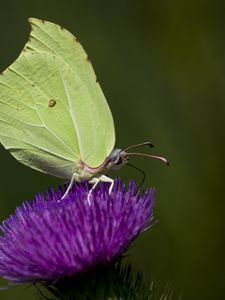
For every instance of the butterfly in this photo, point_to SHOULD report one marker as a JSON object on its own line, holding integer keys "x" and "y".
{"x": 53, "y": 114}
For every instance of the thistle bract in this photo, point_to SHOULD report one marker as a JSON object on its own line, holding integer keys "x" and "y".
{"x": 50, "y": 239}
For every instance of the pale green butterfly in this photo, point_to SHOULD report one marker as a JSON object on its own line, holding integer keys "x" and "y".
{"x": 53, "y": 115}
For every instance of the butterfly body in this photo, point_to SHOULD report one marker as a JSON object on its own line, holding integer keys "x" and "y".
{"x": 114, "y": 161}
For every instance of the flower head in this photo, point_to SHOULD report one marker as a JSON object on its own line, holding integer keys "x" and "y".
{"x": 49, "y": 238}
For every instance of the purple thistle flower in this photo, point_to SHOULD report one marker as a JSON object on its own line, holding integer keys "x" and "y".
{"x": 49, "y": 238}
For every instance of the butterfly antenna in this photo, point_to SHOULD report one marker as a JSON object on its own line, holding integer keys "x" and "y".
{"x": 139, "y": 145}
{"x": 163, "y": 159}
{"x": 142, "y": 172}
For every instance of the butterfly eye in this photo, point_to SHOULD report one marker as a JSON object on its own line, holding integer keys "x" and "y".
{"x": 120, "y": 160}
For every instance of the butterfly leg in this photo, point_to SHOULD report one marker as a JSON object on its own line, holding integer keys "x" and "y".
{"x": 69, "y": 186}
{"x": 105, "y": 178}
{"x": 95, "y": 181}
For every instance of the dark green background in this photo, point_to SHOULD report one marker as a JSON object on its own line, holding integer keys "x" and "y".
{"x": 161, "y": 65}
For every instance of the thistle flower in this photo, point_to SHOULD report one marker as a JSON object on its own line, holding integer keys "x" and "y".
{"x": 50, "y": 239}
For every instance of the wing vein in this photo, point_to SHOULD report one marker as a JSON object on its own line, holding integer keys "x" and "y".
{"x": 40, "y": 41}
{"x": 76, "y": 128}
{"x": 40, "y": 27}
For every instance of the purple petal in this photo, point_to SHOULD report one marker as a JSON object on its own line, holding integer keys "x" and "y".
{"x": 50, "y": 238}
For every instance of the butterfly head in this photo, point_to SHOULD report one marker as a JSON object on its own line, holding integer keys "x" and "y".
{"x": 116, "y": 159}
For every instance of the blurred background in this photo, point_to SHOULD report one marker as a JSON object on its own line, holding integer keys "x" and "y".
{"x": 161, "y": 65}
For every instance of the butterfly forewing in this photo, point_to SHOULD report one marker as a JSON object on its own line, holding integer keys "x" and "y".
{"x": 51, "y": 38}
{"x": 52, "y": 111}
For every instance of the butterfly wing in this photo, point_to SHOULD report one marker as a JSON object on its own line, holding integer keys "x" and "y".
{"x": 52, "y": 111}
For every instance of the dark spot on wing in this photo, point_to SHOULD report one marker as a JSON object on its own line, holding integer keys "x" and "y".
{"x": 76, "y": 39}
{"x": 51, "y": 103}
